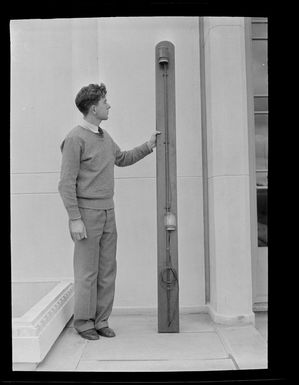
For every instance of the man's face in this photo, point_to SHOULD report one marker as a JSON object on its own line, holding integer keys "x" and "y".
{"x": 101, "y": 109}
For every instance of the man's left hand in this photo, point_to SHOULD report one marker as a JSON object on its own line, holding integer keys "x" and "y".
{"x": 153, "y": 140}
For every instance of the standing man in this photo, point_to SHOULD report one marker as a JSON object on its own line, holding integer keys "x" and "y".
{"x": 86, "y": 187}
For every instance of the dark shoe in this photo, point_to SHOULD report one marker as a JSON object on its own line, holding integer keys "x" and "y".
{"x": 90, "y": 334}
{"x": 106, "y": 332}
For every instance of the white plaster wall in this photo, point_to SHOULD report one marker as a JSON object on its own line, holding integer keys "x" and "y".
{"x": 51, "y": 60}
{"x": 41, "y": 109}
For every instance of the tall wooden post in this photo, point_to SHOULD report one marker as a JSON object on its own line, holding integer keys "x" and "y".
{"x": 168, "y": 285}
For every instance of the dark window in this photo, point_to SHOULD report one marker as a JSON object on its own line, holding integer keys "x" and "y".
{"x": 260, "y": 89}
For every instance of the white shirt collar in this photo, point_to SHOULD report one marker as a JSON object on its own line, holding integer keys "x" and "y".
{"x": 89, "y": 126}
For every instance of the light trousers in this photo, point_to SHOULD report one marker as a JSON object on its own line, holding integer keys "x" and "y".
{"x": 95, "y": 270}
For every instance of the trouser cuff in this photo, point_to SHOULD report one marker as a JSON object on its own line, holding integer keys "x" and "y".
{"x": 86, "y": 326}
{"x": 101, "y": 325}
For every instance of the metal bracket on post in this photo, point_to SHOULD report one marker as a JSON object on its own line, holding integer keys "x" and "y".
{"x": 168, "y": 285}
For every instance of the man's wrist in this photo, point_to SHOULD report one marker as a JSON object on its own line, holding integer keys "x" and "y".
{"x": 150, "y": 145}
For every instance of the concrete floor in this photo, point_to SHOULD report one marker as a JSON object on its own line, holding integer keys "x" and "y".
{"x": 201, "y": 345}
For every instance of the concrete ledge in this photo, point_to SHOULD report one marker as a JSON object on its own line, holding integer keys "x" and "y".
{"x": 34, "y": 333}
{"x": 239, "y": 319}
{"x": 153, "y": 310}
{"x": 260, "y": 306}
{"x": 234, "y": 319}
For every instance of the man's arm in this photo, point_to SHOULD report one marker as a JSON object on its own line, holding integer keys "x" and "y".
{"x": 127, "y": 158}
{"x": 71, "y": 154}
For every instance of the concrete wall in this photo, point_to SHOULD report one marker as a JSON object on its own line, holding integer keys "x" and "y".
{"x": 51, "y": 60}
{"x": 228, "y": 168}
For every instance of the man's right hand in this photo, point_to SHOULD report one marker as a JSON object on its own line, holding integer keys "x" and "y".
{"x": 77, "y": 229}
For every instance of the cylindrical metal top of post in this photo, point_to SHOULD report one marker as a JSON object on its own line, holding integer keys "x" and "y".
{"x": 165, "y": 53}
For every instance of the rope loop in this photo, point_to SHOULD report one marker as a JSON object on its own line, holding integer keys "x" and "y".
{"x": 173, "y": 279}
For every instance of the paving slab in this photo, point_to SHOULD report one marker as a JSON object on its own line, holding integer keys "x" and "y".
{"x": 192, "y": 323}
{"x": 201, "y": 345}
{"x": 197, "y": 322}
{"x": 156, "y": 366}
{"x": 246, "y": 345}
{"x": 66, "y": 352}
{"x": 163, "y": 346}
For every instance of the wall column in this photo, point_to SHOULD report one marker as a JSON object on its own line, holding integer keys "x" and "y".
{"x": 228, "y": 170}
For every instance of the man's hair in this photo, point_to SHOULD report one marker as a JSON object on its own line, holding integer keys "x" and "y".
{"x": 89, "y": 95}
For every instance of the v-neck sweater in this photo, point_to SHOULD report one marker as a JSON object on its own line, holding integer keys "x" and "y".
{"x": 87, "y": 169}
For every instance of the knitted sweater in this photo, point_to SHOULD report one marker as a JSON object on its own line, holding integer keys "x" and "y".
{"x": 87, "y": 169}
